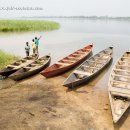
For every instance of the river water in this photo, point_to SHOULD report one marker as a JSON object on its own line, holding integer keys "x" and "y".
{"x": 73, "y": 34}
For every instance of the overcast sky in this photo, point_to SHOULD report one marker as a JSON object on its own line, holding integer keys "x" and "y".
{"x": 67, "y": 8}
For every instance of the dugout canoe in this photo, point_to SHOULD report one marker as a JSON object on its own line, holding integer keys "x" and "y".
{"x": 68, "y": 62}
{"x": 119, "y": 87}
{"x": 90, "y": 68}
{"x": 32, "y": 69}
{"x": 10, "y": 69}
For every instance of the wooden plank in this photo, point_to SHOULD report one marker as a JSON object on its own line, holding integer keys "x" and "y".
{"x": 126, "y": 57}
{"x": 119, "y": 90}
{"x": 97, "y": 62}
{"x": 81, "y": 52}
{"x": 12, "y": 66}
{"x": 120, "y": 94}
{"x": 82, "y": 72}
{"x": 18, "y": 62}
{"x": 71, "y": 61}
{"x": 123, "y": 86}
{"x": 23, "y": 60}
{"x": 33, "y": 64}
{"x": 90, "y": 67}
{"x": 123, "y": 61}
{"x": 28, "y": 67}
{"x": 85, "y": 50}
{"x": 120, "y": 82}
{"x": 101, "y": 59}
{"x": 71, "y": 57}
{"x": 118, "y": 75}
{"x": 121, "y": 70}
{"x": 76, "y": 54}
{"x": 123, "y": 66}
{"x": 101, "y": 62}
{"x": 59, "y": 63}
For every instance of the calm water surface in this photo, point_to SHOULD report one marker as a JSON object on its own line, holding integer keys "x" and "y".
{"x": 73, "y": 34}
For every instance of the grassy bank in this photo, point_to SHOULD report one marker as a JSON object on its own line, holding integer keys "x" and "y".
{"x": 6, "y": 59}
{"x": 27, "y": 25}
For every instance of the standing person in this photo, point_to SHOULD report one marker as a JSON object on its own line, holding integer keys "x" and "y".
{"x": 27, "y": 49}
{"x": 33, "y": 47}
{"x": 37, "y": 43}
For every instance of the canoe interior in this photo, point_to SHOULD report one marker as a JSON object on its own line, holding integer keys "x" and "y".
{"x": 119, "y": 87}
{"x": 119, "y": 106}
{"x": 71, "y": 59}
{"x": 90, "y": 66}
{"x": 34, "y": 65}
{"x": 19, "y": 64}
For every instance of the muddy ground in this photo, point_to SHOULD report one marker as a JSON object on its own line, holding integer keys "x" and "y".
{"x": 44, "y": 104}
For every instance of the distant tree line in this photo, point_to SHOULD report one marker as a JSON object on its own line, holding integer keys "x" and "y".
{"x": 85, "y": 17}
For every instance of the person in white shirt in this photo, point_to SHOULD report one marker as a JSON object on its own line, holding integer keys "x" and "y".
{"x": 27, "y": 49}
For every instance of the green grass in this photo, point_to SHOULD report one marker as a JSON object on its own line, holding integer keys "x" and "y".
{"x": 6, "y": 59}
{"x": 27, "y": 25}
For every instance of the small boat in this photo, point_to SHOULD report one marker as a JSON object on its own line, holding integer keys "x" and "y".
{"x": 8, "y": 70}
{"x": 67, "y": 62}
{"x": 119, "y": 87}
{"x": 32, "y": 69}
{"x": 90, "y": 68}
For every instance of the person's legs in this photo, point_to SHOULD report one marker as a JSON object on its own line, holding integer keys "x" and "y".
{"x": 37, "y": 49}
{"x": 34, "y": 52}
{"x": 27, "y": 53}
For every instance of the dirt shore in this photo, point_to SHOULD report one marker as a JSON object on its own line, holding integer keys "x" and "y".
{"x": 44, "y": 104}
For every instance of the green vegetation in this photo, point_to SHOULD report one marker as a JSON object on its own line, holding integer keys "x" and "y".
{"x": 27, "y": 25}
{"x": 6, "y": 59}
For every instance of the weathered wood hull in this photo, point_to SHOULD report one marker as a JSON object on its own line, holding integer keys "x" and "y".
{"x": 59, "y": 70}
{"x": 21, "y": 74}
{"x": 119, "y": 87}
{"x": 77, "y": 83}
{"x": 73, "y": 79}
{"x": 10, "y": 70}
{"x": 62, "y": 70}
{"x": 117, "y": 109}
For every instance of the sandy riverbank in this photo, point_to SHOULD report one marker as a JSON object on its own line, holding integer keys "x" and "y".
{"x": 44, "y": 104}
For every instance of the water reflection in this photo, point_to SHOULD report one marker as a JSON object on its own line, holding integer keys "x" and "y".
{"x": 73, "y": 34}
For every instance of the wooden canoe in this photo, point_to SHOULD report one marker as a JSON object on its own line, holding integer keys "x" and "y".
{"x": 119, "y": 87}
{"x": 89, "y": 68}
{"x": 32, "y": 69}
{"x": 8, "y": 70}
{"x": 67, "y": 62}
